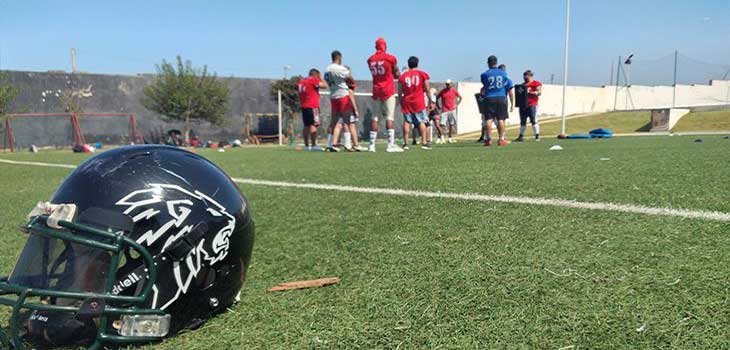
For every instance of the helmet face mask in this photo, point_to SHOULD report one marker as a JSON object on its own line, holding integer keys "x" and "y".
{"x": 46, "y": 269}
{"x": 145, "y": 257}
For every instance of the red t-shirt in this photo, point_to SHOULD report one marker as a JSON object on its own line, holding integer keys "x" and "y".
{"x": 531, "y": 87}
{"x": 412, "y": 83}
{"x": 381, "y": 67}
{"x": 309, "y": 92}
{"x": 448, "y": 99}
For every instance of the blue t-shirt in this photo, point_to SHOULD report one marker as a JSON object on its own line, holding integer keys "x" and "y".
{"x": 496, "y": 83}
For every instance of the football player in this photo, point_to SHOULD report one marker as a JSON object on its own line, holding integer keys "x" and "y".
{"x": 447, "y": 100}
{"x": 412, "y": 85}
{"x": 309, "y": 101}
{"x": 496, "y": 87}
{"x": 384, "y": 69}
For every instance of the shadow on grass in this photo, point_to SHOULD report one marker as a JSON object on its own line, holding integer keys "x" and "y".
{"x": 645, "y": 128}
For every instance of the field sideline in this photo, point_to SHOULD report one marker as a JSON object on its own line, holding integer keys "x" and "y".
{"x": 454, "y": 273}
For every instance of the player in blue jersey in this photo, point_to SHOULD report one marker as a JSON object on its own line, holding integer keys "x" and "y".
{"x": 496, "y": 87}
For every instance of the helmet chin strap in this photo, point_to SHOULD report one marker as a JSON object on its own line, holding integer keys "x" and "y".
{"x": 59, "y": 329}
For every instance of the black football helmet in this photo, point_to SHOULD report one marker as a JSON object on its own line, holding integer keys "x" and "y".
{"x": 138, "y": 243}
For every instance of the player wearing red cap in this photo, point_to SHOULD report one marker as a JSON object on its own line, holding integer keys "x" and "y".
{"x": 449, "y": 99}
{"x": 384, "y": 68}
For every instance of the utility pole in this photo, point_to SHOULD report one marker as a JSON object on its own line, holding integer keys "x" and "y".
{"x": 552, "y": 78}
{"x": 565, "y": 61}
{"x": 618, "y": 77}
{"x": 674, "y": 85}
{"x": 73, "y": 60}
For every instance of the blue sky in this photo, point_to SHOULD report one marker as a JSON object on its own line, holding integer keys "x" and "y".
{"x": 452, "y": 38}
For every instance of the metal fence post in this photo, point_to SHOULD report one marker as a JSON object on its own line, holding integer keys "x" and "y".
{"x": 280, "y": 135}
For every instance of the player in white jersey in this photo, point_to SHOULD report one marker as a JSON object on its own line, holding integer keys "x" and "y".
{"x": 339, "y": 78}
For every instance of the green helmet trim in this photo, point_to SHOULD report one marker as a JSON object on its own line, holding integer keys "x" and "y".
{"x": 37, "y": 225}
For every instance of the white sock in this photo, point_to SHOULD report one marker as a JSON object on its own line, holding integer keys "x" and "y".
{"x": 329, "y": 140}
{"x": 348, "y": 140}
{"x": 391, "y": 137}
{"x": 373, "y": 136}
{"x": 536, "y": 129}
{"x": 522, "y": 129}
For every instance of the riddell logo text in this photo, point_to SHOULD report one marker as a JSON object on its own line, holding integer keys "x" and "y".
{"x": 125, "y": 283}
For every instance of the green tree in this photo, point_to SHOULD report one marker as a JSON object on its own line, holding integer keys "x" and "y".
{"x": 289, "y": 94}
{"x": 183, "y": 92}
{"x": 7, "y": 94}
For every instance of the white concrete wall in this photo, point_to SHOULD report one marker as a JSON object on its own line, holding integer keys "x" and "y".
{"x": 586, "y": 99}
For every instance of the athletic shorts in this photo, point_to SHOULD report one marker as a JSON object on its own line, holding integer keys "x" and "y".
{"x": 495, "y": 108}
{"x": 528, "y": 112}
{"x": 385, "y": 108}
{"x": 310, "y": 116}
{"x": 341, "y": 105}
{"x": 415, "y": 118}
{"x": 448, "y": 118}
{"x": 433, "y": 115}
{"x": 353, "y": 119}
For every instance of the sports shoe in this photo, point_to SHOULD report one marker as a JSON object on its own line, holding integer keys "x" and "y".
{"x": 359, "y": 148}
{"x": 307, "y": 148}
{"x": 480, "y": 140}
{"x": 316, "y": 148}
{"x": 426, "y": 146}
{"x": 332, "y": 149}
{"x": 503, "y": 142}
{"x": 520, "y": 138}
{"x": 451, "y": 141}
{"x": 537, "y": 137}
{"x": 414, "y": 142}
{"x": 438, "y": 141}
{"x": 371, "y": 147}
{"x": 488, "y": 143}
{"x": 393, "y": 149}
{"x": 405, "y": 146}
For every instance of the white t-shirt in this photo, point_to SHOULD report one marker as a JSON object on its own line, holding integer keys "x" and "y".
{"x": 336, "y": 76}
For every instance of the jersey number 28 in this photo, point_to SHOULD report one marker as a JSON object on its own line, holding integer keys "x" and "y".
{"x": 495, "y": 82}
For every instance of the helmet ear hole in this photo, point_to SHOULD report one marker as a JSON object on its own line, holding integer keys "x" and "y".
{"x": 206, "y": 278}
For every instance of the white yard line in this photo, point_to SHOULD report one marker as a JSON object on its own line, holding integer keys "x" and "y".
{"x": 623, "y": 208}
{"x": 52, "y": 165}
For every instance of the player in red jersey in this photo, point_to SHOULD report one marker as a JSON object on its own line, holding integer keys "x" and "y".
{"x": 412, "y": 85}
{"x": 450, "y": 99}
{"x": 384, "y": 68}
{"x": 309, "y": 101}
{"x": 528, "y": 110}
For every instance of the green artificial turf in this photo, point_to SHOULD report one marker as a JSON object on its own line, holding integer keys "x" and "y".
{"x": 704, "y": 121}
{"x": 452, "y": 274}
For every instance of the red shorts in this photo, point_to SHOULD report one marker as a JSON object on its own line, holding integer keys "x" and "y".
{"x": 342, "y": 106}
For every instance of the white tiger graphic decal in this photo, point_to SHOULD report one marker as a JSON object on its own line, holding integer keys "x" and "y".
{"x": 148, "y": 203}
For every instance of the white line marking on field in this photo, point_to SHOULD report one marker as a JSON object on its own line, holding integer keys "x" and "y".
{"x": 624, "y": 208}
{"x": 54, "y": 165}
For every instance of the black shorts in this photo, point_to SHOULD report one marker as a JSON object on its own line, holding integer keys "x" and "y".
{"x": 433, "y": 114}
{"x": 494, "y": 108}
{"x": 528, "y": 112}
{"x": 310, "y": 116}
